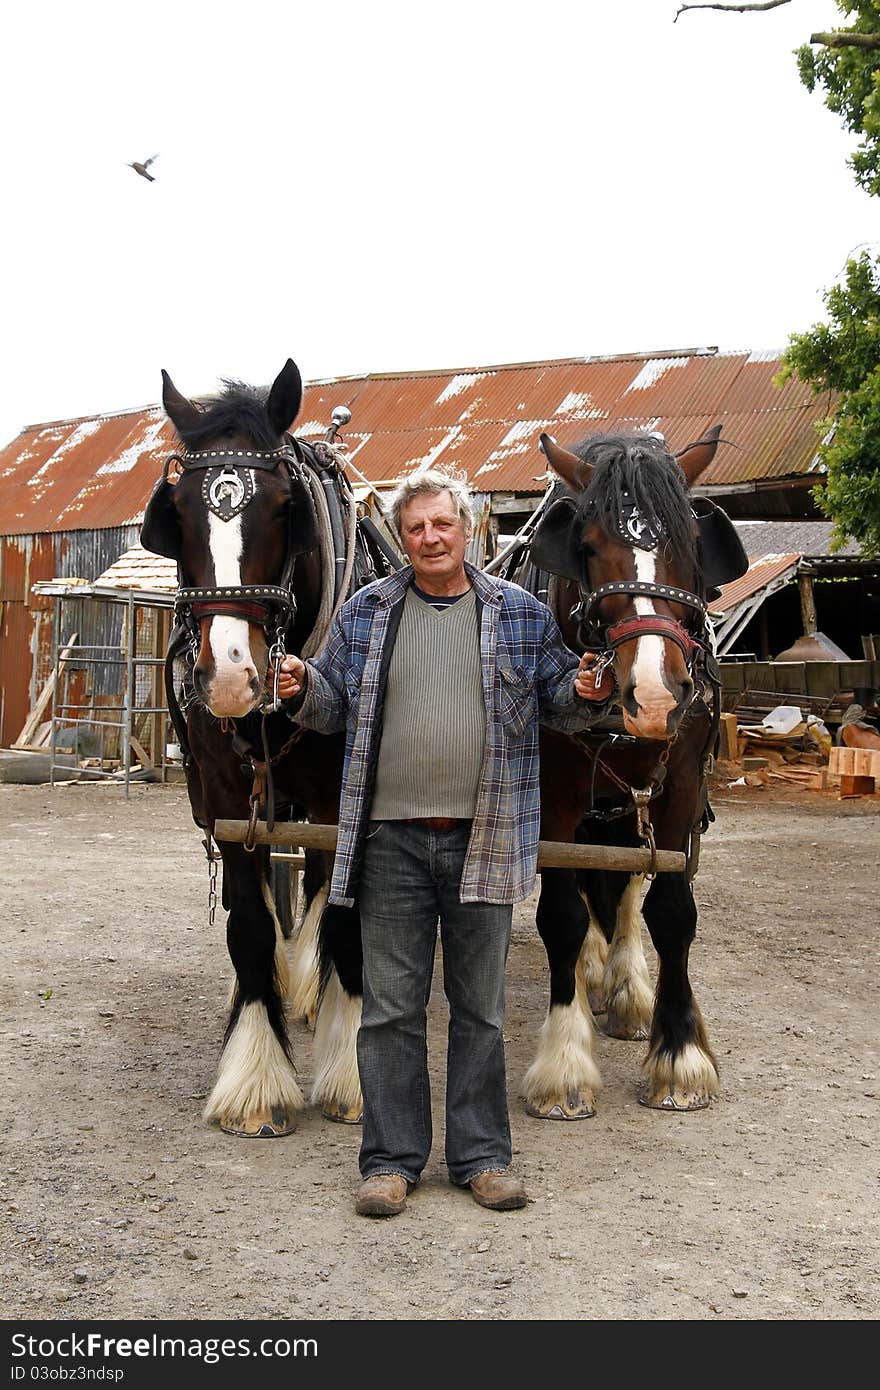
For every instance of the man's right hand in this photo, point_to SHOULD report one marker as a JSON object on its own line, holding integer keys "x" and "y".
{"x": 291, "y": 677}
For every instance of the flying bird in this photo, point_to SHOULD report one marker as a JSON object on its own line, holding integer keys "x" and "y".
{"x": 142, "y": 168}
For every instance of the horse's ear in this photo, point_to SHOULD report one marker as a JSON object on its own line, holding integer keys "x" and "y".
{"x": 160, "y": 531}
{"x": 180, "y": 411}
{"x": 555, "y": 546}
{"x": 303, "y": 532}
{"x": 695, "y": 458}
{"x": 285, "y": 398}
{"x": 570, "y": 468}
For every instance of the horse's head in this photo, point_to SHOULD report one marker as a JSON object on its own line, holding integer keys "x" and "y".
{"x": 626, "y": 533}
{"x": 234, "y": 510}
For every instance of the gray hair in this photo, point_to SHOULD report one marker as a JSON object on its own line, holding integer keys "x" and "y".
{"x": 427, "y": 481}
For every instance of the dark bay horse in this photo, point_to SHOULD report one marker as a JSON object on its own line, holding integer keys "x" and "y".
{"x": 242, "y": 509}
{"x": 633, "y": 566}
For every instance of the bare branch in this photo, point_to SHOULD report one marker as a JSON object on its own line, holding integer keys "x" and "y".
{"x": 846, "y": 39}
{"x": 740, "y": 9}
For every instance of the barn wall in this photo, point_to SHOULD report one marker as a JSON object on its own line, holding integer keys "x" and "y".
{"x": 26, "y": 618}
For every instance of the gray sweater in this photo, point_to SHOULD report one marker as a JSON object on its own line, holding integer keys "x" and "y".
{"x": 434, "y": 718}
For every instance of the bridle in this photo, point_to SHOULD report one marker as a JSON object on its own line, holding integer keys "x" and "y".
{"x": 227, "y": 489}
{"x": 605, "y": 638}
{"x": 698, "y": 650}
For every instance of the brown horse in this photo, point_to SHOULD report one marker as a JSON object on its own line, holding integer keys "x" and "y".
{"x": 633, "y": 565}
{"x": 239, "y": 508}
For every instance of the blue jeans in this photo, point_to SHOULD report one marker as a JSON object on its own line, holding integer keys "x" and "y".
{"x": 410, "y": 877}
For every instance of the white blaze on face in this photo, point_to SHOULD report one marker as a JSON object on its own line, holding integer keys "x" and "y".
{"x": 647, "y": 669}
{"x": 230, "y": 688}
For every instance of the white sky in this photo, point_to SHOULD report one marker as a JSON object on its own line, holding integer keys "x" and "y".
{"x": 381, "y": 185}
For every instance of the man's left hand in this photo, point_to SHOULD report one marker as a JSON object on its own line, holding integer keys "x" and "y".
{"x": 585, "y": 680}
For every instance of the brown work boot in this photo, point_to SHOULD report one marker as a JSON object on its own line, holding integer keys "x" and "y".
{"x": 498, "y": 1189}
{"x": 384, "y": 1194}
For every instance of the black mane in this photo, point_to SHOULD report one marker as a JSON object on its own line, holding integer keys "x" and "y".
{"x": 638, "y": 469}
{"x": 240, "y": 409}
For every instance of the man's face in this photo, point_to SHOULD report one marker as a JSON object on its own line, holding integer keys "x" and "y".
{"x": 434, "y": 537}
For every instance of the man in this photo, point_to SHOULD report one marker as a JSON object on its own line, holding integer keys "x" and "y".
{"x": 440, "y": 674}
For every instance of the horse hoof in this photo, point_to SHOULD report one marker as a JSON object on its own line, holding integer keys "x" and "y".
{"x": 343, "y": 1115}
{"x": 675, "y": 1100}
{"x": 615, "y": 1027}
{"x": 596, "y": 1001}
{"x": 266, "y": 1124}
{"x": 573, "y": 1107}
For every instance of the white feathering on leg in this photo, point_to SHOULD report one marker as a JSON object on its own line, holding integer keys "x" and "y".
{"x": 304, "y": 971}
{"x": 336, "y": 1071}
{"x": 255, "y": 1073}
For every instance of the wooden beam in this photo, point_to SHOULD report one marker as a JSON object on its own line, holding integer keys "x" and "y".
{"x": 808, "y": 603}
{"x": 553, "y": 854}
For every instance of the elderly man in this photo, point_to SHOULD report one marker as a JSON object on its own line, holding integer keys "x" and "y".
{"x": 440, "y": 674}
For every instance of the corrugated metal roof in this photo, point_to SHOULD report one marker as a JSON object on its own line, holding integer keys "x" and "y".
{"x": 759, "y": 574}
{"x": 98, "y": 472}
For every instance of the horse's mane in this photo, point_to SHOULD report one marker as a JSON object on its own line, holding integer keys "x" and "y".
{"x": 238, "y": 408}
{"x": 638, "y": 469}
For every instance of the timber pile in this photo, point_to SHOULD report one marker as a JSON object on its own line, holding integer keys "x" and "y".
{"x": 755, "y": 756}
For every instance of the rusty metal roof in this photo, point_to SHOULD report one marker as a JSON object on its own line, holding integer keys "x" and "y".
{"x": 759, "y": 575}
{"x": 98, "y": 471}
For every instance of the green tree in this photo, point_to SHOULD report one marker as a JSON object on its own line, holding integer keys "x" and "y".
{"x": 846, "y": 64}
{"x": 842, "y": 358}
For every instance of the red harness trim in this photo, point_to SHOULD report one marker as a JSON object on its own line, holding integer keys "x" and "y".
{"x": 253, "y": 612}
{"x": 651, "y": 625}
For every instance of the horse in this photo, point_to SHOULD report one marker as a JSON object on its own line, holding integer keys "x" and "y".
{"x": 632, "y": 567}
{"x": 264, "y": 531}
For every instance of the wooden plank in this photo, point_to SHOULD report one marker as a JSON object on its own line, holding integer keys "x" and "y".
{"x": 728, "y": 747}
{"x": 551, "y": 853}
{"x": 856, "y": 786}
{"x": 141, "y": 753}
{"x": 34, "y": 719}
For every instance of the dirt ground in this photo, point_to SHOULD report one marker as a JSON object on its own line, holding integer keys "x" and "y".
{"x": 119, "y": 1202}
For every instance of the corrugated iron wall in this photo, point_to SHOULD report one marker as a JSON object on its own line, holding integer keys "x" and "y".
{"x": 26, "y": 618}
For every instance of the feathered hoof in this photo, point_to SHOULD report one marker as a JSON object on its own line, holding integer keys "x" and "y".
{"x": 578, "y": 1105}
{"x": 343, "y": 1114}
{"x": 676, "y": 1098}
{"x": 266, "y": 1124}
{"x": 597, "y": 1003}
{"x": 618, "y": 1027}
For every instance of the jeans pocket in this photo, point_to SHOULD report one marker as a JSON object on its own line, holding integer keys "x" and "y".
{"x": 373, "y": 829}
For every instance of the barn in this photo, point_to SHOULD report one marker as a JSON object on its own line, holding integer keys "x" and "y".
{"x": 72, "y": 492}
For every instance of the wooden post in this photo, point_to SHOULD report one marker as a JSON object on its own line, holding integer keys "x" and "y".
{"x": 808, "y": 602}
{"x": 551, "y": 853}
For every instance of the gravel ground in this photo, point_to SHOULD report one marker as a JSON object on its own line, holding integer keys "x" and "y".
{"x": 120, "y": 1203}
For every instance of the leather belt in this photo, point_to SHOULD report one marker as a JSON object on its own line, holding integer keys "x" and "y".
{"x": 436, "y": 822}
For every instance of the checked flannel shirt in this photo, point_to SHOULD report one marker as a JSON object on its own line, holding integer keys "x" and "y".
{"x": 528, "y": 677}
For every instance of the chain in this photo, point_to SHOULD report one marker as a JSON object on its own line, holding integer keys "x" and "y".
{"x": 213, "y": 855}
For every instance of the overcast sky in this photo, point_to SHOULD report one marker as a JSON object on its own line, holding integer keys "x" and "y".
{"x": 381, "y": 185}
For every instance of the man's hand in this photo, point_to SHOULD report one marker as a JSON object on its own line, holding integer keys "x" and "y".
{"x": 585, "y": 680}
{"x": 291, "y": 677}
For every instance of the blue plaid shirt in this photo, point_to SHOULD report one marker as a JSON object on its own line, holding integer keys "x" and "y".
{"x": 528, "y": 676}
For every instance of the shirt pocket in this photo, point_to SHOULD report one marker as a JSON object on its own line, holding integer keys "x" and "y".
{"x": 352, "y": 698}
{"x": 516, "y": 699}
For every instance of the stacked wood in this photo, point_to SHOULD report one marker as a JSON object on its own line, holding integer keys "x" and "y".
{"x": 857, "y": 768}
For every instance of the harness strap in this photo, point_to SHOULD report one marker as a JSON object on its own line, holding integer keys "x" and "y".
{"x": 654, "y": 624}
